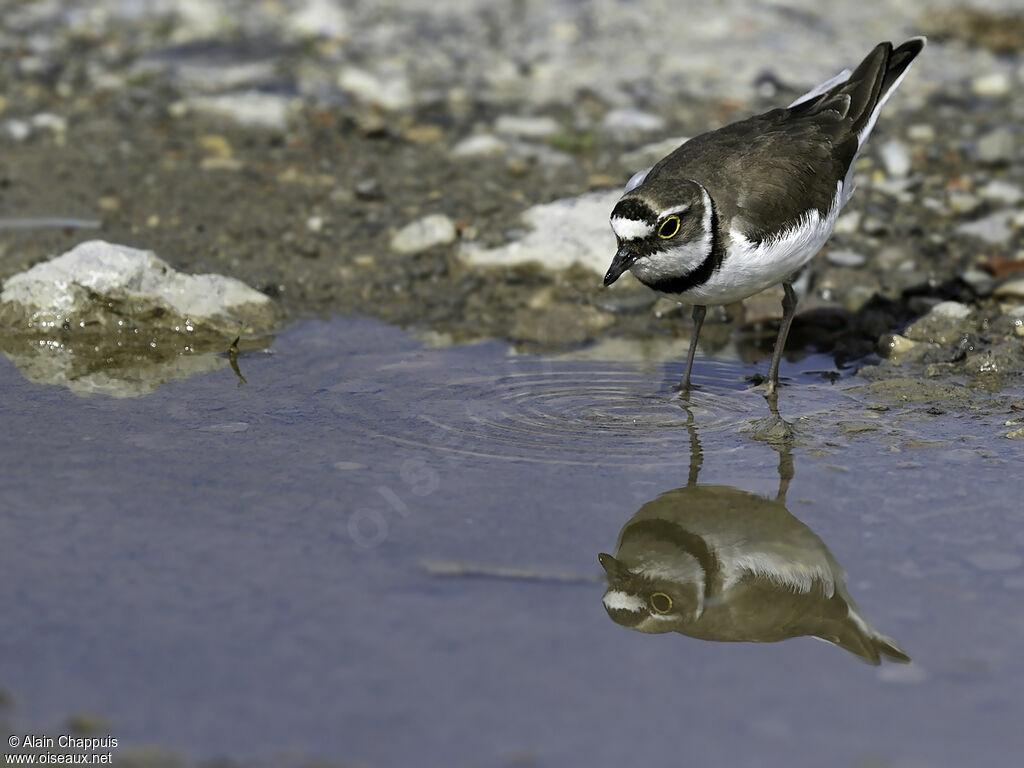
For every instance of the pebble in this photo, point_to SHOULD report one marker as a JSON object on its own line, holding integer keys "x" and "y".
{"x": 389, "y": 90}
{"x": 1002, "y": 192}
{"x": 428, "y": 232}
{"x": 318, "y": 18}
{"x": 846, "y": 258}
{"x": 962, "y": 202}
{"x": 848, "y": 223}
{"x": 18, "y": 130}
{"x": 992, "y": 84}
{"x": 894, "y": 347}
{"x": 1016, "y": 434}
{"x": 1013, "y": 288}
{"x": 479, "y": 145}
{"x": 994, "y": 228}
{"x": 896, "y": 158}
{"x": 252, "y": 109}
{"x": 526, "y": 127}
{"x": 626, "y": 123}
{"x": 944, "y": 324}
{"x": 997, "y": 146}
{"x": 921, "y": 132}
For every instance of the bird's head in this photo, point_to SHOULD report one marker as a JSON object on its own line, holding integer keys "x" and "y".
{"x": 664, "y": 231}
{"x": 647, "y": 602}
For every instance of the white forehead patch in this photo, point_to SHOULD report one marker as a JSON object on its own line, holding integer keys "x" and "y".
{"x": 677, "y": 209}
{"x": 616, "y": 600}
{"x": 631, "y": 229}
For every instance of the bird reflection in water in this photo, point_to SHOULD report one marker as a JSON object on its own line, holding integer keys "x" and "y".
{"x": 717, "y": 563}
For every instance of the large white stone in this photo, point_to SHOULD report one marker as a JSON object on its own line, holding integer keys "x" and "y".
{"x": 565, "y": 232}
{"x": 101, "y": 282}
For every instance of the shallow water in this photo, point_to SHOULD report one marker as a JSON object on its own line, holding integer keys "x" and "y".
{"x": 386, "y": 554}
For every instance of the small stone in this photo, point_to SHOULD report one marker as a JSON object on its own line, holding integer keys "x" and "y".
{"x": 846, "y": 258}
{"x": 479, "y": 145}
{"x": 526, "y": 127}
{"x": 1013, "y": 288}
{"x": 1017, "y": 434}
{"x": 944, "y": 324}
{"x": 216, "y": 146}
{"x": 315, "y": 224}
{"x": 1002, "y": 192}
{"x": 894, "y": 347}
{"x": 997, "y": 146}
{"x": 993, "y": 228}
{"x": 921, "y": 132}
{"x": 962, "y": 202}
{"x": 895, "y": 158}
{"x": 848, "y": 223}
{"x": 626, "y": 123}
{"x": 993, "y": 84}
{"x": 428, "y": 232}
{"x": 388, "y": 90}
{"x": 252, "y": 109}
{"x": 18, "y": 130}
{"x": 368, "y": 189}
{"x": 318, "y": 18}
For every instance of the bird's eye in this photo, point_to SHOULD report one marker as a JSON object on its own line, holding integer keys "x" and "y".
{"x": 660, "y": 602}
{"x": 669, "y": 228}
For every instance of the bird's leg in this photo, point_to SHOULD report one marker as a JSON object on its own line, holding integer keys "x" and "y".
{"x": 788, "y": 310}
{"x": 699, "y": 310}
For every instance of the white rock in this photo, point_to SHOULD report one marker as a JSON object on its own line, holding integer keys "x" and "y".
{"x": 252, "y": 109}
{"x": 649, "y": 154}
{"x": 1002, "y": 192}
{"x": 921, "y": 132}
{"x": 993, "y": 228}
{"x": 848, "y": 223}
{"x": 895, "y": 158}
{"x": 525, "y": 127}
{"x": 436, "y": 229}
{"x": 319, "y": 18}
{"x": 952, "y": 310}
{"x": 479, "y": 145}
{"x": 992, "y": 84}
{"x": 388, "y": 90}
{"x": 19, "y": 130}
{"x": 83, "y": 283}
{"x": 846, "y": 258}
{"x": 627, "y": 122}
{"x": 565, "y": 232}
{"x": 997, "y": 146}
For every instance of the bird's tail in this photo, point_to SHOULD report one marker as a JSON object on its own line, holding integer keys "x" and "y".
{"x": 874, "y": 80}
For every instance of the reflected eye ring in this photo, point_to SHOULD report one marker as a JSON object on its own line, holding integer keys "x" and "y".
{"x": 660, "y": 602}
{"x": 669, "y": 228}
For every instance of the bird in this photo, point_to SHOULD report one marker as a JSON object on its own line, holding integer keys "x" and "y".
{"x": 742, "y": 208}
{"x": 721, "y": 564}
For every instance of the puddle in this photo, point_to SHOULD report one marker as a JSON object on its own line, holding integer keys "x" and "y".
{"x": 387, "y": 555}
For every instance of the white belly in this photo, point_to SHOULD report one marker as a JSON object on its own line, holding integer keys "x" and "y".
{"x": 748, "y": 267}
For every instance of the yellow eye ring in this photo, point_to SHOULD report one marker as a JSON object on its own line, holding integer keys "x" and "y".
{"x": 660, "y": 602}
{"x": 669, "y": 228}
